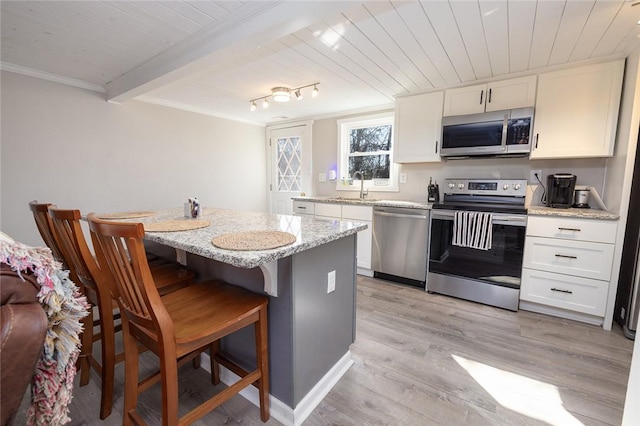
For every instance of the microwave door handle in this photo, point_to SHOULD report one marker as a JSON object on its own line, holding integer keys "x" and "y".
{"x": 505, "y": 126}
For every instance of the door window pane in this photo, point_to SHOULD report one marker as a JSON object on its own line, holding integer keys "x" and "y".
{"x": 289, "y": 164}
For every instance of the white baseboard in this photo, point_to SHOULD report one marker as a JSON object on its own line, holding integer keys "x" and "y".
{"x": 562, "y": 313}
{"x": 278, "y": 409}
{"x": 364, "y": 271}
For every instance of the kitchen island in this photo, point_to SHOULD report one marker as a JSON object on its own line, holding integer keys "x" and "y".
{"x": 310, "y": 328}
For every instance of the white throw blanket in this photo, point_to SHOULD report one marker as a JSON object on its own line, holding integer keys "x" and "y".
{"x": 472, "y": 229}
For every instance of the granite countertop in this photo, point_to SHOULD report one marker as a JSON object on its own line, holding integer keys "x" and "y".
{"x": 572, "y": 212}
{"x": 309, "y": 233}
{"x": 418, "y": 204}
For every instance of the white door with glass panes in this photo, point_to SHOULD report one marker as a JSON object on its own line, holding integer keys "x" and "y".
{"x": 290, "y": 165}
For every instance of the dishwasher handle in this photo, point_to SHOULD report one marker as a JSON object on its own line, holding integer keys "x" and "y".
{"x": 410, "y": 216}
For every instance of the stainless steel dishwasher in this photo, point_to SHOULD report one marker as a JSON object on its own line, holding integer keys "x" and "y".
{"x": 400, "y": 244}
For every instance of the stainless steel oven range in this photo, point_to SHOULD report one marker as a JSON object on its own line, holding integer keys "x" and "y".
{"x": 477, "y": 241}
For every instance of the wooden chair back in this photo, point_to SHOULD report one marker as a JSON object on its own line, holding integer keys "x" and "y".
{"x": 119, "y": 246}
{"x": 67, "y": 227}
{"x": 43, "y": 222}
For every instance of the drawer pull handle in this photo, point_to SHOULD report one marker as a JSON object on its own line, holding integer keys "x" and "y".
{"x": 566, "y": 256}
{"x": 562, "y": 291}
{"x": 301, "y": 208}
{"x": 569, "y": 229}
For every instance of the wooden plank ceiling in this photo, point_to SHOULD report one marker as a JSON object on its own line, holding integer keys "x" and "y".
{"x": 214, "y": 56}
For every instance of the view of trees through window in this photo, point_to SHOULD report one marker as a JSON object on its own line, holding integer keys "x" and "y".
{"x": 370, "y": 151}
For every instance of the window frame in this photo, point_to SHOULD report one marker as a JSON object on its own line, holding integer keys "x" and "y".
{"x": 344, "y": 127}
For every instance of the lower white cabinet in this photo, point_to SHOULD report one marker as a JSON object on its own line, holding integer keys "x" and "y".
{"x": 361, "y": 214}
{"x": 349, "y": 212}
{"x": 306, "y": 208}
{"x": 577, "y": 294}
{"x": 328, "y": 211}
{"x": 580, "y": 258}
{"x": 567, "y": 267}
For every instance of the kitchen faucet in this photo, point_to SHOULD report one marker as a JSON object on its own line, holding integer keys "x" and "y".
{"x": 362, "y": 193}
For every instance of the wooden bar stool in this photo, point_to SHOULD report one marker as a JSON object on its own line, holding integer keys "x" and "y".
{"x": 43, "y": 223}
{"x": 98, "y": 287}
{"x": 177, "y": 326}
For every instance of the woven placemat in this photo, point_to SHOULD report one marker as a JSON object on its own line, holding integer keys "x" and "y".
{"x": 125, "y": 215}
{"x": 253, "y": 240}
{"x": 175, "y": 225}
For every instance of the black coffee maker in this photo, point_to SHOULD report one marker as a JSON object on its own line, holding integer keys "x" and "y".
{"x": 560, "y": 188}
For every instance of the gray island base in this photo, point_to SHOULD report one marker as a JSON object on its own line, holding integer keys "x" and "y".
{"x": 310, "y": 329}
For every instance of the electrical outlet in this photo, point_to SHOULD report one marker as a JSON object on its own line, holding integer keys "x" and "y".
{"x": 403, "y": 178}
{"x": 532, "y": 177}
{"x": 322, "y": 177}
{"x": 331, "y": 282}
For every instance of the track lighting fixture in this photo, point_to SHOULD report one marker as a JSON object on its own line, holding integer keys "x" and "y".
{"x": 282, "y": 94}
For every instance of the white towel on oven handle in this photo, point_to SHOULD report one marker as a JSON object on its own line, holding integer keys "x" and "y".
{"x": 472, "y": 229}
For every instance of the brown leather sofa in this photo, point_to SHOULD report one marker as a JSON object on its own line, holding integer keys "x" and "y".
{"x": 23, "y": 325}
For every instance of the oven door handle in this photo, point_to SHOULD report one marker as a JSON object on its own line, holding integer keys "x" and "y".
{"x": 498, "y": 219}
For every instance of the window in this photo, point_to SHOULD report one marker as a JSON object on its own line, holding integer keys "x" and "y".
{"x": 365, "y": 147}
{"x": 289, "y": 164}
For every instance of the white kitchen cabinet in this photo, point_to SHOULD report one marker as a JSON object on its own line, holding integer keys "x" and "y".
{"x": 333, "y": 211}
{"x": 417, "y": 128}
{"x": 328, "y": 211}
{"x": 576, "y": 294}
{"x": 361, "y": 214}
{"x": 567, "y": 267}
{"x": 577, "y": 111}
{"x": 494, "y": 96}
{"x": 305, "y": 208}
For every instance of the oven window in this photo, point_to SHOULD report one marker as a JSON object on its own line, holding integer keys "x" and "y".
{"x": 502, "y": 265}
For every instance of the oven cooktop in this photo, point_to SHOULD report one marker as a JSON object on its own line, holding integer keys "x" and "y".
{"x": 490, "y": 195}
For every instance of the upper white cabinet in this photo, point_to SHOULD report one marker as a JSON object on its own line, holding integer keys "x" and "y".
{"x": 577, "y": 111}
{"x": 418, "y": 125}
{"x": 495, "y": 96}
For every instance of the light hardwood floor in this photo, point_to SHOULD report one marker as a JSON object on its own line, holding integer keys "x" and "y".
{"x": 425, "y": 359}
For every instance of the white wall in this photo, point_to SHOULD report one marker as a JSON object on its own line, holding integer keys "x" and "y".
{"x": 68, "y": 146}
{"x": 590, "y": 172}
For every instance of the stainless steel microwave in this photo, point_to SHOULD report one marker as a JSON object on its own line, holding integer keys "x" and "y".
{"x": 497, "y": 133}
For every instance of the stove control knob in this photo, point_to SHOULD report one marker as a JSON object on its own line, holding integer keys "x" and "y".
{"x": 516, "y": 186}
{"x": 452, "y": 185}
{"x": 461, "y": 186}
{"x": 505, "y": 186}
